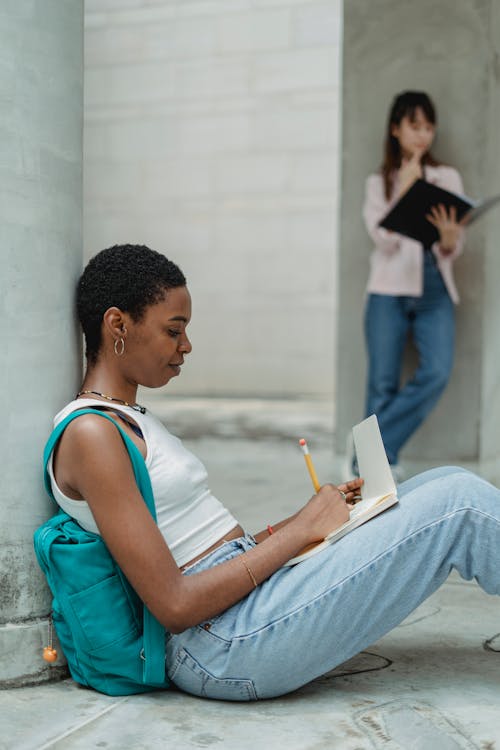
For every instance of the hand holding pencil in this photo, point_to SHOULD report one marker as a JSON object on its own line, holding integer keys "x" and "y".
{"x": 349, "y": 490}
{"x": 309, "y": 464}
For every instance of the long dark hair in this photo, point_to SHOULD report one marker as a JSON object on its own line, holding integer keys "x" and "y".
{"x": 404, "y": 105}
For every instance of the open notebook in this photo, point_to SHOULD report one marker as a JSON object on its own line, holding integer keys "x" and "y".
{"x": 378, "y": 492}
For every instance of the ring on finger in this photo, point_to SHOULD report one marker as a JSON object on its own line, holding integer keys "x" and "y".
{"x": 344, "y": 496}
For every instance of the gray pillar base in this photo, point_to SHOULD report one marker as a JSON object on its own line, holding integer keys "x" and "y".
{"x": 21, "y": 660}
{"x": 41, "y": 213}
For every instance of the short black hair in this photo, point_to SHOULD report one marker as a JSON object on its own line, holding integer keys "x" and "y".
{"x": 130, "y": 277}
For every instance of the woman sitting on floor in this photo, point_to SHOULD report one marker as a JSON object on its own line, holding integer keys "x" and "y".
{"x": 240, "y": 625}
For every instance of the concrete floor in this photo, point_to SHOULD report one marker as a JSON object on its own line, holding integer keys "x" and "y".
{"x": 433, "y": 682}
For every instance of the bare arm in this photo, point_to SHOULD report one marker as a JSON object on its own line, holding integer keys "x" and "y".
{"x": 95, "y": 464}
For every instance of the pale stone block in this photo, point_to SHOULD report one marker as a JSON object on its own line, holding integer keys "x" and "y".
{"x": 152, "y": 138}
{"x": 295, "y": 70}
{"x": 315, "y": 227}
{"x": 153, "y": 39}
{"x": 186, "y": 238}
{"x": 132, "y": 139}
{"x": 318, "y": 24}
{"x": 291, "y": 273}
{"x": 226, "y": 274}
{"x": 205, "y": 8}
{"x": 211, "y": 134}
{"x": 253, "y": 31}
{"x": 314, "y": 171}
{"x": 288, "y": 128}
{"x": 252, "y": 172}
{"x": 214, "y": 78}
{"x": 138, "y": 13}
{"x": 142, "y": 184}
{"x": 278, "y": 3}
{"x": 289, "y": 247}
{"x": 244, "y": 232}
{"x": 100, "y": 6}
{"x": 110, "y": 85}
{"x": 113, "y": 184}
{"x": 274, "y": 332}
{"x": 105, "y": 227}
{"x": 285, "y": 349}
{"x": 183, "y": 177}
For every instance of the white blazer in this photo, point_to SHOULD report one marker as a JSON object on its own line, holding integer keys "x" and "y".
{"x": 396, "y": 263}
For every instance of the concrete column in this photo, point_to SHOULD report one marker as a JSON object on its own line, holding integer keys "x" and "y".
{"x": 41, "y": 66}
{"x": 489, "y": 432}
{"x": 450, "y": 49}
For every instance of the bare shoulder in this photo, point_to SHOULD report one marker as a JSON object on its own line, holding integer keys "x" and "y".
{"x": 89, "y": 451}
{"x": 92, "y": 435}
{"x": 91, "y": 427}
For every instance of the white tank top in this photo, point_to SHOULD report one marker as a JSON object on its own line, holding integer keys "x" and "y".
{"x": 189, "y": 517}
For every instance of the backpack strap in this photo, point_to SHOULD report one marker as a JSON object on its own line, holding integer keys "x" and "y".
{"x": 140, "y": 471}
{"x": 153, "y": 632}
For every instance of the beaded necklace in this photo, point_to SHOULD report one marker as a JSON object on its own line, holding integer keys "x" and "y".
{"x": 136, "y": 407}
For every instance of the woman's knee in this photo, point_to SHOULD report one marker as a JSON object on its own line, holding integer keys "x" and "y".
{"x": 429, "y": 476}
{"x": 436, "y": 376}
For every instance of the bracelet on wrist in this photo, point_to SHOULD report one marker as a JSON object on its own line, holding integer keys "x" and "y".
{"x": 249, "y": 571}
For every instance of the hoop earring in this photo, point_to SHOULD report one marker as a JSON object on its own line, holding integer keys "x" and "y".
{"x": 119, "y": 342}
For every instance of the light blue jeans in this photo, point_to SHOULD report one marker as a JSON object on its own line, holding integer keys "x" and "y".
{"x": 388, "y": 320}
{"x": 307, "y": 619}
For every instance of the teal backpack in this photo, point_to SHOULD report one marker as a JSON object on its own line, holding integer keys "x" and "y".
{"x": 111, "y": 641}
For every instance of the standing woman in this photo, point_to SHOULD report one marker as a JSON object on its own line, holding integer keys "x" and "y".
{"x": 411, "y": 287}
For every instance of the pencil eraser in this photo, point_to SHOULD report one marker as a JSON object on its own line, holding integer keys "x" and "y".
{"x": 302, "y": 441}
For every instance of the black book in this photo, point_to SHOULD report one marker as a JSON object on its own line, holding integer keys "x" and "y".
{"x": 408, "y": 215}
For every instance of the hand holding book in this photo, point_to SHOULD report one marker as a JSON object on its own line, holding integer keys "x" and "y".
{"x": 447, "y": 225}
{"x": 409, "y": 216}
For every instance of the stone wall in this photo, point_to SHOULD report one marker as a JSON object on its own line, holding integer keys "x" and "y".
{"x": 211, "y": 134}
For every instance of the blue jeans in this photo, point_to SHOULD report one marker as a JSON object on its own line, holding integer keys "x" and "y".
{"x": 305, "y": 620}
{"x": 388, "y": 320}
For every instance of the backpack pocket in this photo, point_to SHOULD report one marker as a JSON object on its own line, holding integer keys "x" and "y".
{"x": 88, "y": 607}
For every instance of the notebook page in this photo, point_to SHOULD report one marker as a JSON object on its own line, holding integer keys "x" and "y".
{"x": 372, "y": 461}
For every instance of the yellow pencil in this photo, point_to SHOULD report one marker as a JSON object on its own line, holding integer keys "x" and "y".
{"x": 309, "y": 463}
